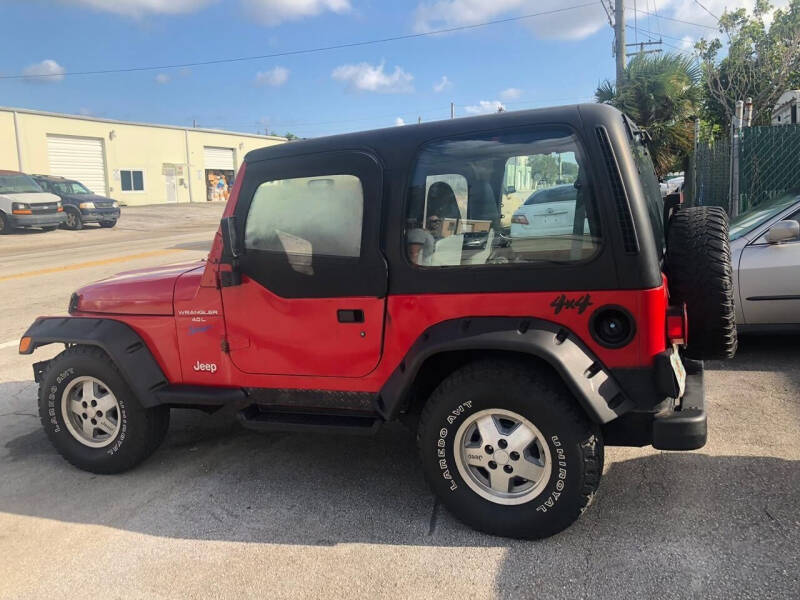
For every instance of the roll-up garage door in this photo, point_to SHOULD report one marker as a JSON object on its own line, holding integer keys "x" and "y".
{"x": 218, "y": 158}
{"x": 78, "y": 158}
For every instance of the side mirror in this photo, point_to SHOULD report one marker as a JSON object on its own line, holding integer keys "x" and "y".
{"x": 783, "y": 231}
{"x": 230, "y": 242}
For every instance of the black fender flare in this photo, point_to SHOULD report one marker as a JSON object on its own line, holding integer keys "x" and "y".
{"x": 117, "y": 339}
{"x": 589, "y": 380}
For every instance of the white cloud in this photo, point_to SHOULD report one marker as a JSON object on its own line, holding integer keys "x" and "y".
{"x": 484, "y": 107}
{"x": 139, "y": 8}
{"x": 511, "y": 93}
{"x": 443, "y": 84}
{"x": 163, "y": 78}
{"x": 364, "y": 77}
{"x": 273, "y": 12}
{"x": 581, "y": 22}
{"x": 47, "y": 71}
{"x": 399, "y": 121}
{"x": 275, "y": 77}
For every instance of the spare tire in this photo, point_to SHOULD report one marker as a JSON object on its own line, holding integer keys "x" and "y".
{"x": 698, "y": 267}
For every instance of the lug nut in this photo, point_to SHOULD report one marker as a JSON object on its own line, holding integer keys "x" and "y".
{"x": 489, "y": 449}
{"x": 508, "y": 469}
{"x": 514, "y": 455}
{"x": 492, "y": 464}
{"x": 94, "y": 422}
{"x": 84, "y": 405}
{"x": 503, "y": 444}
{"x": 94, "y": 402}
{"x": 99, "y": 413}
{"x": 85, "y": 416}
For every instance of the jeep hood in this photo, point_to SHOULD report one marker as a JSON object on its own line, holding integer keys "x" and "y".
{"x": 141, "y": 292}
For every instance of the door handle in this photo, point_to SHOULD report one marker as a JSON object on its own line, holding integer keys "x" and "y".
{"x": 348, "y": 315}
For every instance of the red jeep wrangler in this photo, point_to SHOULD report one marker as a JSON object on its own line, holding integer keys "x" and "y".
{"x": 361, "y": 278}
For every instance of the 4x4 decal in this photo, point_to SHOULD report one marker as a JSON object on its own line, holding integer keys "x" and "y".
{"x": 580, "y": 303}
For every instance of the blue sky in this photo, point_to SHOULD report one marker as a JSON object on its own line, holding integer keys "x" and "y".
{"x": 553, "y": 59}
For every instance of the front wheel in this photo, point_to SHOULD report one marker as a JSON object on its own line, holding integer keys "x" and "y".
{"x": 73, "y": 220}
{"x": 91, "y": 415}
{"x": 524, "y": 463}
{"x": 5, "y": 226}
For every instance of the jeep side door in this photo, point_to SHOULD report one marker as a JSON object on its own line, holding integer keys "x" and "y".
{"x": 312, "y": 294}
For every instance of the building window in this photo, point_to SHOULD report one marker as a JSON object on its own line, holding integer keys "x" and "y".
{"x": 132, "y": 181}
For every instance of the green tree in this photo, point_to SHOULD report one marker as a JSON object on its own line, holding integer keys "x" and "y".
{"x": 660, "y": 93}
{"x": 758, "y": 61}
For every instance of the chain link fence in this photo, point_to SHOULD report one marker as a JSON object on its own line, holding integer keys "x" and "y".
{"x": 713, "y": 173}
{"x": 768, "y": 167}
{"x": 769, "y": 163}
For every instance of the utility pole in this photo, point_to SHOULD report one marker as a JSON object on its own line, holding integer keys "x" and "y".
{"x": 452, "y": 110}
{"x": 619, "y": 37}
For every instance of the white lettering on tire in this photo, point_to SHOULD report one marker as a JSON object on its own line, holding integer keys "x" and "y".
{"x": 561, "y": 459}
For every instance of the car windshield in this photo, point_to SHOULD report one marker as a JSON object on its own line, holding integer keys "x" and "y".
{"x": 69, "y": 187}
{"x": 18, "y": 184}
{"x": 758, "y": 215}
{"x": 559, "y": 193}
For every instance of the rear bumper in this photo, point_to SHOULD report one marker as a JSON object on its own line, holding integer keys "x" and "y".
{"x": 46, "y": 220}
{"x": 684, "y": 427}
{"x": 670, "y": 425}
{"x": 95, "y": 215}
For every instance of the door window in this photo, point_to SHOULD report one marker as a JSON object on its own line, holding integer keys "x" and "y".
{"x": 501, "y": 198}
{"x": 307, "y": 216}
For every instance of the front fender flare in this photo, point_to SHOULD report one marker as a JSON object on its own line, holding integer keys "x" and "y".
{"x": 122, "y": 344}
{"x": 588, "y": 379}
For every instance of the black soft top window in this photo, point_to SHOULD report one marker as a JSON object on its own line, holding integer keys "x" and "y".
{"x": 650, "y": 186}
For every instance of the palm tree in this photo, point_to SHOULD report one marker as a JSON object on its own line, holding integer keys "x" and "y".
{"x": 661, "y": 95}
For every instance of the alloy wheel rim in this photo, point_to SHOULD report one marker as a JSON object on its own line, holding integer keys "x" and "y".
{"x": 502, "y": 456}
{"x": 91, "y": 412}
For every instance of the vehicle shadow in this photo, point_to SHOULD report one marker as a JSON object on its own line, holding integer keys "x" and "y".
{"x": 657, "y": 517}
{"x": 764, "y": 353}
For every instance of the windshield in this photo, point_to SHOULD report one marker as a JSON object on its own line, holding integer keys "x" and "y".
{"x": 18, "y": 184}
{"x": 69, "y": 187}
{"x": 758, "y": 215}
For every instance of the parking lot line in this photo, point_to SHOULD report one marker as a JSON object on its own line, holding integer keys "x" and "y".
{"x": 91, "y": 263}
{"x": 9, "y": 344}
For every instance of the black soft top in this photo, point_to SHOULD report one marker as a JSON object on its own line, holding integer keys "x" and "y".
{"x": 394, "y": 142}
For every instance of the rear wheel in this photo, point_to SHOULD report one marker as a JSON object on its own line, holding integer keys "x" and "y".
{"x": 699, "y": 272}
{"x": 73, "y": 219}
{"x": 91, "y": 415}
{"x": 524, "y": 463}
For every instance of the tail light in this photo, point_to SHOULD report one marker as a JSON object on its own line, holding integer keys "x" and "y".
{"x": 520, "y": 219}
{"x": 677, "y": 325}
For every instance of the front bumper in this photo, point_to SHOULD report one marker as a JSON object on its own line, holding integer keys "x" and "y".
{"x": 95, "y": 215}
{"x": 45, "y": 220}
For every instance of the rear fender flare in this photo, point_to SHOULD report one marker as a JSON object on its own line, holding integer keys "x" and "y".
{"x": 123, "y": 345}
{"x": 589, "y": 380}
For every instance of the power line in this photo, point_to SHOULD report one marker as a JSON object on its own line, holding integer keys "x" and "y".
{"x": 647, "y": 12}
{"x": 716, "y": 18}
{"x": 301, "y": 51}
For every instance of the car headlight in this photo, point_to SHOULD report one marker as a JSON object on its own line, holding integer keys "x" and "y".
{"x": 20, "y": 206}
{"x": 115, "y": 204}
{"x": 86, "y": 205}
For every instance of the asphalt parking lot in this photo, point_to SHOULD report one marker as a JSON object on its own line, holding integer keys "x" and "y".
{"x": 223, "y": 512}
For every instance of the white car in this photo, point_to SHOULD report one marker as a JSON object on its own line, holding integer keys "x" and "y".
{"x": 24, "y": 204}
{"x": 765, "y": 251}
{"x": 547, "y": 212}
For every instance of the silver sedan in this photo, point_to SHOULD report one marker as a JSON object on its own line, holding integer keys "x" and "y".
{"x": 765, "y": 249}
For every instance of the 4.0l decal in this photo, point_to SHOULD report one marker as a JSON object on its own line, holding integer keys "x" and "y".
{"x": 581, "y": 303}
